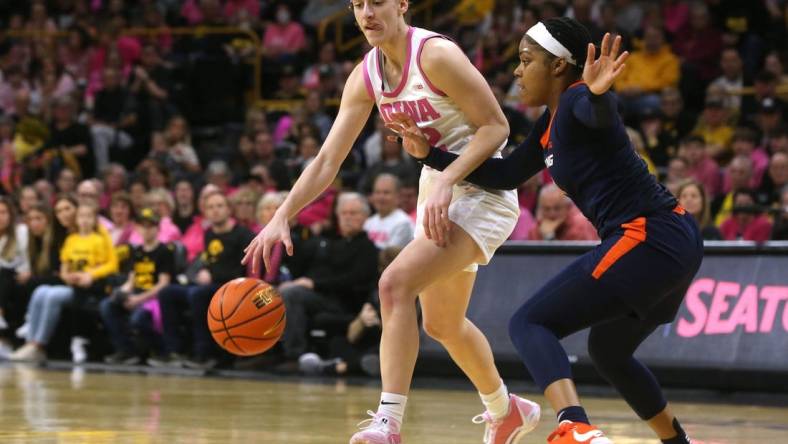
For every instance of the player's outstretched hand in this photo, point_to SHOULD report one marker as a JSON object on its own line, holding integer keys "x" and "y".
{"x": 277, "y": 230}
{"x": 413, "y": 139}
{"x": 600, "y": 74}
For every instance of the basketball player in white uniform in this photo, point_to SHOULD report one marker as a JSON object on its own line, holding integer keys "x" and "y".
{"x": 459, "y": 225}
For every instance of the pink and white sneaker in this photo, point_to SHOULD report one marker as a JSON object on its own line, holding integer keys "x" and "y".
{"x": 522, "y": 418}
{"x": 380, "y": 429}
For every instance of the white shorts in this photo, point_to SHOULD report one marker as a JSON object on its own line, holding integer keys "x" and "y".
{"x": 488, "y": 216}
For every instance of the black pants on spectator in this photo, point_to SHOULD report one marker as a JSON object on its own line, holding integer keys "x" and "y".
{"x": 175, "y": 301}
{"x": 302, "y": 304}
{"x": 13, "y": 301}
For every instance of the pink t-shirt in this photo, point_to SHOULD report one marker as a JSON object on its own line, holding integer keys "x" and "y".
{"x": 575, "y": 227}
{"x": 194, "y": 238}
{"x": 525, "y": 223}
{"x": 675, "y": 16}
{"x": 191, "y": 12}
{"x": 759, "y": 230}
{"x": 708, "y": 173}
{"x": 287, "y": 39}
{"x": 319, "y": 210}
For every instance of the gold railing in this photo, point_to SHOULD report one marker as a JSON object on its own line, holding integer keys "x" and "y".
{"x": 198, "y": 31}
{"x": 337, "y": 22}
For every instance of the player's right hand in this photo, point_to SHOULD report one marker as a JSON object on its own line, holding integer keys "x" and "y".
{"x": 277, "y": 230}
{"x": 413, "y": 139}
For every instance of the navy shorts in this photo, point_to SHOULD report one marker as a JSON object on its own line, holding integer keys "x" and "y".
{"x": 643, "y": 270}
{"x": 649, "y": 263}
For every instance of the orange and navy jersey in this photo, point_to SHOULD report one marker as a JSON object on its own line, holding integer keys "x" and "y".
{"x": 585, "y": 147}
{"x": 93, "y": 253}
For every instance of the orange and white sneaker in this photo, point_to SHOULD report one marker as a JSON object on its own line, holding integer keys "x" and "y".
{"x": 380, "y": 429}
{"x": 569, "y": 432}
{"x": 522, "y": 418}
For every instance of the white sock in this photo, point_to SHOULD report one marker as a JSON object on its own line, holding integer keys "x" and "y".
{"x": 393, "y": 405}
{"x": 497, "y": 402}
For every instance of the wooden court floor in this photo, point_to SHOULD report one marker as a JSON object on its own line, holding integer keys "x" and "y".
{"x": 65, "y": 407}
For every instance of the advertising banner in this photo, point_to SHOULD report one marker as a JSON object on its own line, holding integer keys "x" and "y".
{"x": 734, "y": 317}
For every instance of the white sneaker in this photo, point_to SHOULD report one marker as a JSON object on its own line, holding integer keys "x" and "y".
{"x": 5, "y": 351}
{"x": 28, "y": 353}
{"x": 312, "y": 364}
{"x": 22, "y": 331}
{"x": 78, "y": 353}
{"x": 3, "y": 323}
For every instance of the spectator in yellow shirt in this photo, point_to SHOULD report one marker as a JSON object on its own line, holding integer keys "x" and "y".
{"x": 715, "y": 131}
{"x": 471, "y": 12}
{"x": 648, "y": 71}
{"x": 87, "y": 258}
{"x": 464, "y": 18}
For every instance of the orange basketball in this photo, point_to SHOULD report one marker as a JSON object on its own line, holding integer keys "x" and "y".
{"x": 246, "y": 316}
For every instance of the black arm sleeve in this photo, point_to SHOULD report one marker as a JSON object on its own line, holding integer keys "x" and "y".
{"x": 596, "y": 111}
{"x": 502, "y": 174}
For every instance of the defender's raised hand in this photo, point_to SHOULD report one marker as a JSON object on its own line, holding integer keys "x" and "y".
{"x": 600, "y": 74}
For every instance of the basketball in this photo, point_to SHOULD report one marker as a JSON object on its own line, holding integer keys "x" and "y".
{"x": 246, "y": 316}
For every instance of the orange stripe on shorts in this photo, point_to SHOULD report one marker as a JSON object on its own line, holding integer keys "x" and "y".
{"x": 634, "y": 233}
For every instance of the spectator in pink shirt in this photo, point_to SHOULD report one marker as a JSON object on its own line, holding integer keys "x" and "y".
{"x": 251, "y": 7}
{"x": 675, "y": 14}
{"x": 194, "y": 236}
{"x": 191, "y": 12}
{"x": 284, "y": 38}
{"x": 744, "y": 143}
{"x": 748, "y": 221}
{"x": 700, "y": 166}
{"x": 525, "y": 225}
{"x": 317, "y": 215}
{"x": 557, "y": 218}
{"x": 699, "y": 44}
{"x": 76, "y": 53}
{"x": 13, "y": 82}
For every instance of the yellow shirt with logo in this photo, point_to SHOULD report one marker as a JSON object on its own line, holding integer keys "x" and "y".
{"x": 93, "y": 253}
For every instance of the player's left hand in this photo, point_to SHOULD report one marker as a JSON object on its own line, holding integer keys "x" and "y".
{"x": 436, "y": 212}
{"x": 600, "y": 74}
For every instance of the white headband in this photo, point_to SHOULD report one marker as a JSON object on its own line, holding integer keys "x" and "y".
{"x": 542, "y": 36}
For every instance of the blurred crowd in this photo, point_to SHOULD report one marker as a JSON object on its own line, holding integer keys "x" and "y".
{"x": 136, "y": 166}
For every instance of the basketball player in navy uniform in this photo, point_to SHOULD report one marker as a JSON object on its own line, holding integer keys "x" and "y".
{"x": 651, "y": 249}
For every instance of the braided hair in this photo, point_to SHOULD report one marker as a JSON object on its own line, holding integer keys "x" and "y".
{"x": 573, "y": 35}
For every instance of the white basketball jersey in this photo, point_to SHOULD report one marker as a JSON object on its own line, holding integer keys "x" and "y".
{"x": 436, "y": 114}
